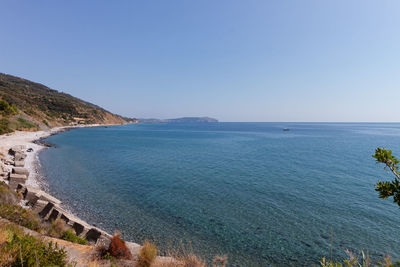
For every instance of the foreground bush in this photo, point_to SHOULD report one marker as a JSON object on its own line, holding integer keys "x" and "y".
{"x": 147, "y": 254}
{"x": 18, "y": 249}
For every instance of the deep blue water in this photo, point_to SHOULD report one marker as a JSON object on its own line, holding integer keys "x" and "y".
{"x": 258, "y": 194}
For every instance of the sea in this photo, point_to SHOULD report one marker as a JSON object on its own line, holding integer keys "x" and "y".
{"x": 258, "y": 194}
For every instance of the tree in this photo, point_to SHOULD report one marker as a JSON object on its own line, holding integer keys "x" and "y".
{"x": 388, "y": 189}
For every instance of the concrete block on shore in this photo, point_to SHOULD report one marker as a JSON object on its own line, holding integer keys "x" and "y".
{"x": 64, "y": 218}
{"x": 21, "y": 188}
{"x": 46, "y": 210}
{"x": 32, "y": 194}
{"x": 14, "y": 149}
{"x": 133, "y": 247}
{"x": 19, "y": 156}
{"x": 78, "y": 227}
{"x": 54, "y": 215}
{"x": 39, "y": 206}
{"x": 20, "y": 170}
{"x": 47, "y": 197}
{"x": 15, "y": 179}
{"x": 20, "y": 163}
{"x": 92, "y": 235}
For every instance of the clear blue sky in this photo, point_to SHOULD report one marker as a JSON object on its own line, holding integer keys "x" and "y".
{"x": 281, "y": 60}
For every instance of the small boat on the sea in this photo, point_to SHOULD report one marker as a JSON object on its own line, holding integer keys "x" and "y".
{"x": 286, "y": 129}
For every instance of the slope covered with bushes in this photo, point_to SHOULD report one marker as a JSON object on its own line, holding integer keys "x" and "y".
{"x": 26, "y": 105}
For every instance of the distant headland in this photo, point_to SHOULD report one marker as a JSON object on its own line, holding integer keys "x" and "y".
{"x": 180, "y": 120}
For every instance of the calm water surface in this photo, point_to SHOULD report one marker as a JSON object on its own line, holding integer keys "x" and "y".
{"x": 262, "y": 196}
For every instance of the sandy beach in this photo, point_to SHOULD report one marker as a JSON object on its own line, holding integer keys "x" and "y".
{"x": 27, "y": 139}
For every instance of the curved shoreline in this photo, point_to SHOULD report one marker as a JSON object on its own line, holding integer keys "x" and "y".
{"x": 32, "y": 140}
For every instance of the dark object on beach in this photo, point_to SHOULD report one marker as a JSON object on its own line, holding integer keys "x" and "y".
{"x": 43, "y": 143}
{"x": 286, "y": 129}
{"x": 29, "y": 149}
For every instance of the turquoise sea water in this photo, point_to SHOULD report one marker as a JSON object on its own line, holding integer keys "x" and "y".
{"x": 262, "y": 196}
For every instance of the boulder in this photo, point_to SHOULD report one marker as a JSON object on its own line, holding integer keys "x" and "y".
{"x": 20, "y": 170}
{"x": 20, "y": 163}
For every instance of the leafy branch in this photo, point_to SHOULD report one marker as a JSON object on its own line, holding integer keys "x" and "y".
{"x": 388, "y": 189}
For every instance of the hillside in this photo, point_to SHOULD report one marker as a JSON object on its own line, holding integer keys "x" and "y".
{"x": 26, "y": 105}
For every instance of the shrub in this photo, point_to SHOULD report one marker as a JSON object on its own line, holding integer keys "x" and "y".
{"x": 20, "y": 216}
{"x": 71, "y": 237}
{"x": 118, "y": 248}
{"x": 18, "y": 249}
{"x": 7, "y": 109}
{"x": 25, "y": 125}
{"x": 4, "y": 126}
{"x": 31, "y": 251}
{"x": 147, "y": 254}
{"x": 55, "y": 228}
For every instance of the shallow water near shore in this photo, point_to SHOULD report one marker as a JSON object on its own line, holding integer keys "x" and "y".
{"x": 258, "y": 194}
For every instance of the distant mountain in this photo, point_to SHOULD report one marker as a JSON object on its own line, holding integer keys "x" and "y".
{"x": 180, "y": 120}
{"x": 26, "y": 105}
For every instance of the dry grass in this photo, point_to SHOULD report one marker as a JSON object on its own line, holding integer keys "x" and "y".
{"x": 184, "y": 261}
{"x": 55, "y": 228}
{"x": 147, "y": 254}
{"x": 7, "y": 196}
{"x": 362, "y": 260}
{"x": 93, "y": 264}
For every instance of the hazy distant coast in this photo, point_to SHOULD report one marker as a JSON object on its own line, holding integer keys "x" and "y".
{"x": 180, "y": 120}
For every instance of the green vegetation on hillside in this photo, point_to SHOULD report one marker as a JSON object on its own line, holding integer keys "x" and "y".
{"x": 7, "y": 109}
{"x": 26, "y": 105}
